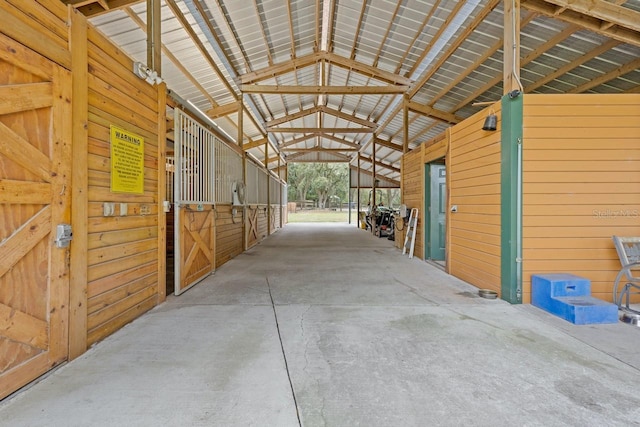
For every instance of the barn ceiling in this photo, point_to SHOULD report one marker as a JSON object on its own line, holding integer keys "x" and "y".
{"x": 321, "y": 80}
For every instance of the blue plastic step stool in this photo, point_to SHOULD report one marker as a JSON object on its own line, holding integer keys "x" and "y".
{"x": 569, "y": 296}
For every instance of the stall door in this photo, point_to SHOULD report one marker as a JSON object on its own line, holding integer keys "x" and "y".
{"x": 194, "y": 198}
{"x": 35, "y": 121}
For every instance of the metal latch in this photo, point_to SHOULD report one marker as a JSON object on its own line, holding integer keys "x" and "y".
{"x": 63, "y": 235}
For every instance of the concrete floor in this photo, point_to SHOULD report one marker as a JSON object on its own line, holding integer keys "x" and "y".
{"x": 357, "y": 335}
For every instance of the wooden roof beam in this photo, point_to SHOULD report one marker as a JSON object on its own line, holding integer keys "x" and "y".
{"x": 367, "y": 70}
{"x": 440, "y": 115}
{"x": 223, "y": 110}
{"x": 381, "y": 164}
{"x": 624, "y": 69}
{"x": 316, "y": 149}
{"x": 323, "y": 90}
{"x": 280, "y": 69}
{"x": 621, "y": 30}
{"x": 607, "y": 12}
{"x": 562, "y": 35}
{"x": 319, "y": 130}
{"x": 572, "y": 65}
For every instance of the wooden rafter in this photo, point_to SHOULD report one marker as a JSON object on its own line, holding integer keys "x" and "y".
{"x": 486, "y": 55}
{"x": 418, "y": 34}
{"x": 572, "y": 65}
{"x": 433, "y": 113}
{"x": 419, "y": 83}
{"x": 388, "y": 144}
{"x": 377, "y": 176}
{"x": 298, "y": 140}
{"x": 381, "y": 164}
{"x": 623, "y": 69}
{"x": 562, "y": 35}
{"x": 324, "y": 90}
{"x": 223, "y": 110}
{"x": 621, "y": 29}
{"x": 90, "y": 8}
{"x": 320, "y": 109}
{"x": 320, "y": 130}
{"x": 315, "y": 58}
{"x": 437, "y": 36}
{"x": 196, "y": 40}
{"x": 314, "y": 149}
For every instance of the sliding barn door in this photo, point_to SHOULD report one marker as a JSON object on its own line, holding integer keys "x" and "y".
{"x": 194, "y": 197}
{"x": 35, "y": 124}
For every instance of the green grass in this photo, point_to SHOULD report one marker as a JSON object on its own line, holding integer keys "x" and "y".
{"x": 321, "y": 216}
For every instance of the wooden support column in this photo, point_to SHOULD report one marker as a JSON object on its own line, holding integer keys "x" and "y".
{"x": 162, "y": 192}
{"x": 266, "y": 166}
{"x": 80, "y": 185}
{"x": 154, "y": 39}
{"x": 373, "y": 197}
{"x": 405, "y": 124}
{"x": 511, "y": 61}
{"x": 244, "y": 167}
{"x": 358, "y": 187}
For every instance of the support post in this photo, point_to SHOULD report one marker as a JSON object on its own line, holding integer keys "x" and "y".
{"x": 162, "y": 191}
{"x": 511, "y": 49}
{"x": 244, "y": 166}
{"x": 154, "y": 39}
{"x": 79, "y": 260}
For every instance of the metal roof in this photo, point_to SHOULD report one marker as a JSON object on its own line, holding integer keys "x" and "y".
{"x": 443, "y": 54}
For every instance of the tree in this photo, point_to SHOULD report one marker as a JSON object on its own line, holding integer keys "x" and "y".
{"x": 318, "y": 181}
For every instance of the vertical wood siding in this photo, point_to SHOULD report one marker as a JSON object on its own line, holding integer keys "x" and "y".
{"x": 581, "y": 185}
{"x": 474, "y": 174}
{"x": 413, "y": 192}
{"x": 123, "y": 250}
{"x": 228, "y": 233}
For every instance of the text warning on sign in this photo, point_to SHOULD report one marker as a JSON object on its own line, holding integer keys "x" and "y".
{"x": 127, "y": 161}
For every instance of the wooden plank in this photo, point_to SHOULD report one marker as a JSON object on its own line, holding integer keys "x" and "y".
{"x": 584, "y": 231}
{"x": 112, "y": 296}
{"x": 24, "y": 239}
{"x": 28, "y": 32}
{"x": 24, "y": 192}
{"x": 581, "y": 177}
{"x": 114, "y": 252}
{"x": 112, "y": 267}
{"x": 127, "y": 102}
{"x": 116, "y": 237}
{"x": 585, "y": 144}
{"x": 25, "y": 97}
{"x": 53, "y": 24}
{"x": 120, "y": 279}
{"x": 106, "y": 314}
{"x": 98, "y": 102}
{"x": 592, "y": 101}
{"x": 61, "y": 158}
{"x": 23, "y": 327}
{"x": 17, "y": 149}
{"x": 23, "y": 374}
{"x": 79, "y": 215}
{"x": 582, "y": 188}
{"x": 101, "y": 224}
{"x": 613, "y": 166}
{"x": 118, "y": 322}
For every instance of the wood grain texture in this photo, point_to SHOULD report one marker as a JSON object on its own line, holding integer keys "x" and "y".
{"x": 474, "y": 187}
{"x": 580, "y": 183}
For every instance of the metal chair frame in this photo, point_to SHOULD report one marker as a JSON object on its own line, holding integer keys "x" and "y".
{"x": 628, "y": 249}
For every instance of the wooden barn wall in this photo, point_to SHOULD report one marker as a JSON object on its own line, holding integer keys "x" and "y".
{"x": 275, "y": 218}
{"x": 123, "y": 250}
{"x": 228, "y": 233}
{"x": 474, "y": 184}
{"x": 256, "y": 224}
{"x": 581, "y": 185}
{"x": 413, "y": 192}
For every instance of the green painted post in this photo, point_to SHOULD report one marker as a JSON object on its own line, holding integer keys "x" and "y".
{"x": 511, "y": 200}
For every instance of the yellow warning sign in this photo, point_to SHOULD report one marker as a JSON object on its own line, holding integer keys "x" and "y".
{"x": 127, "y": 161}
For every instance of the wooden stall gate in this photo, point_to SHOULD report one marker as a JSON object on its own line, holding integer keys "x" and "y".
{"x": 35, "y": 188}
{"x": 194, "y": 200}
